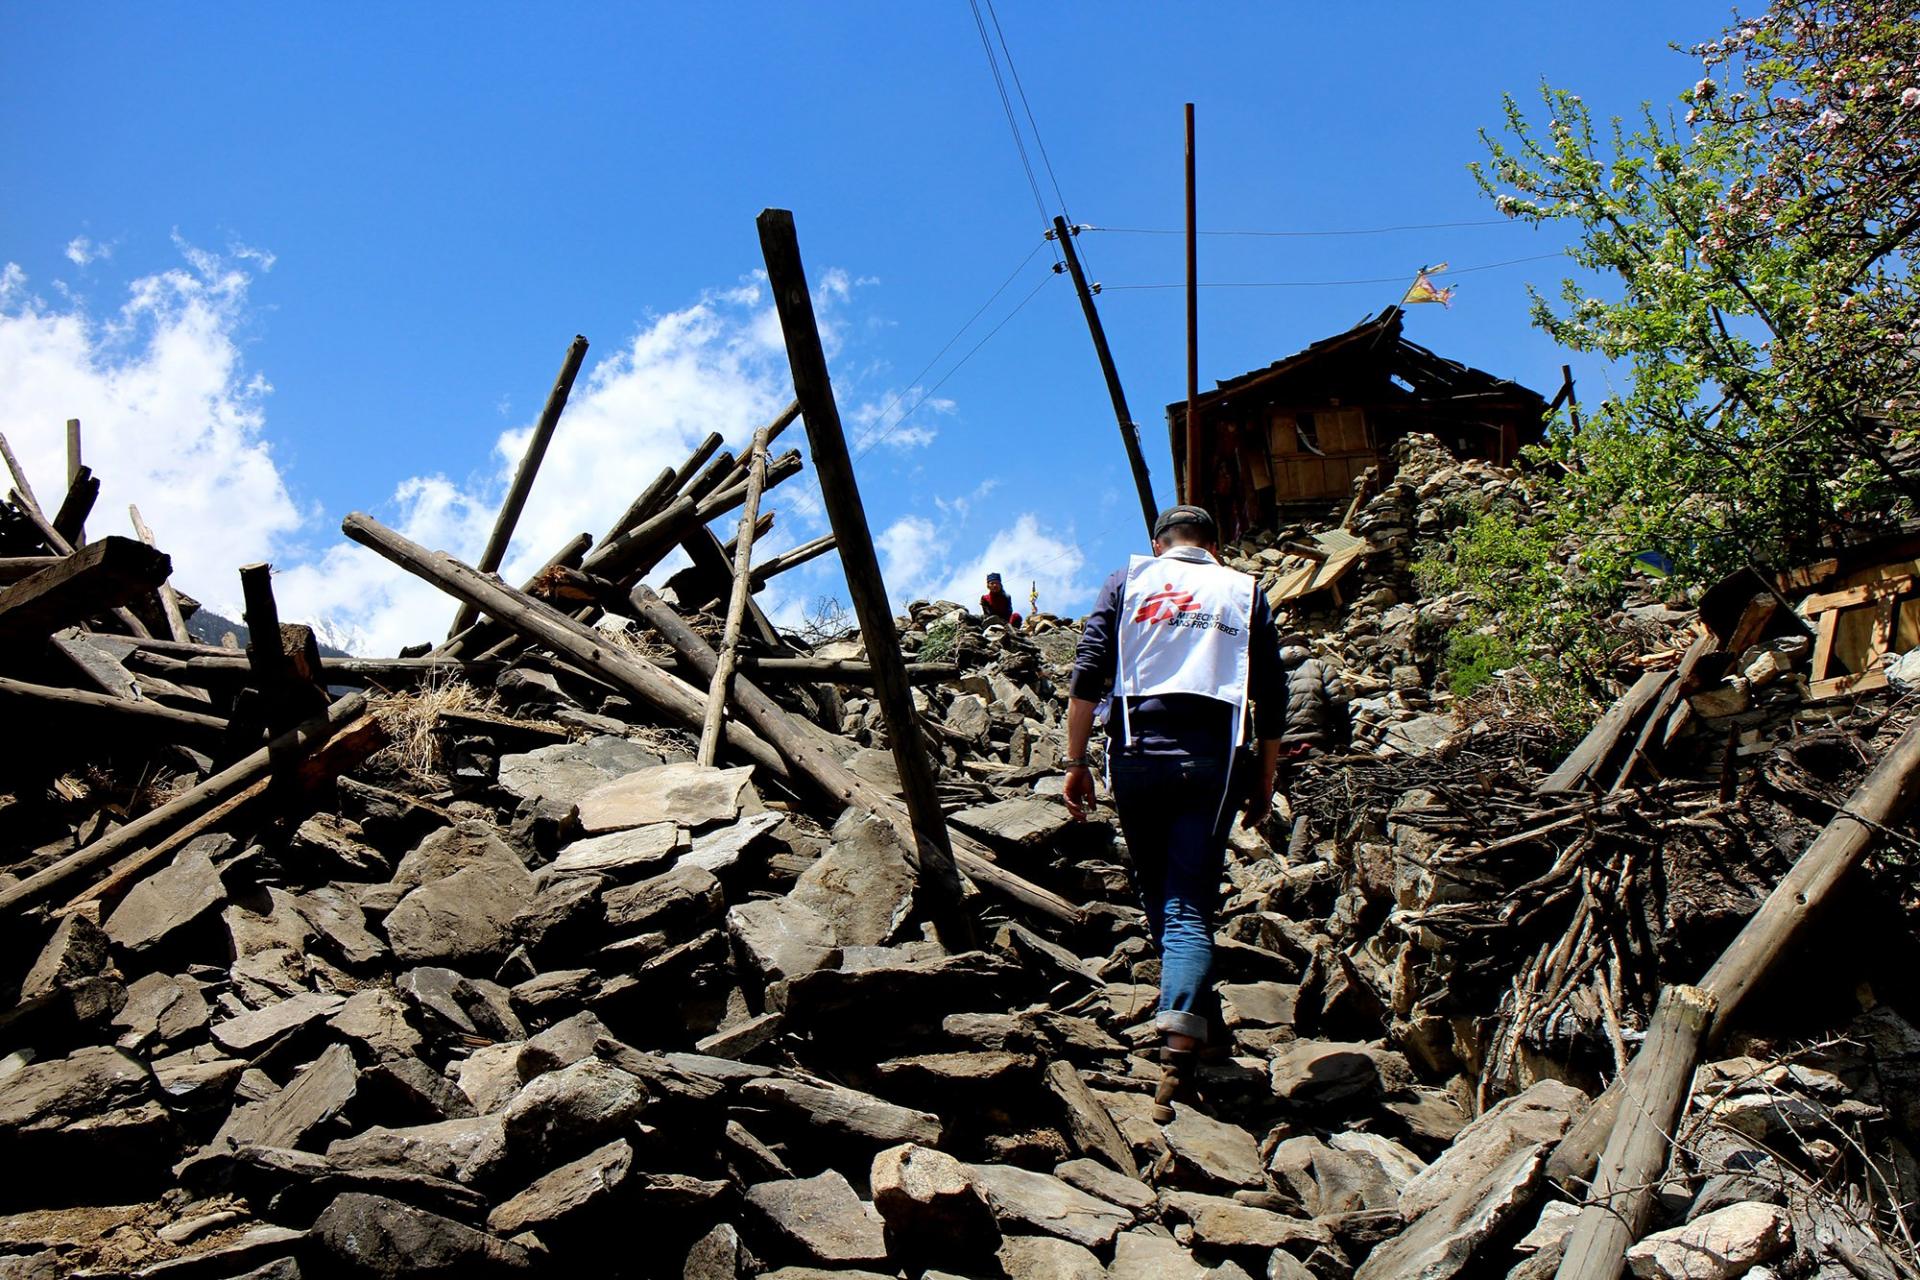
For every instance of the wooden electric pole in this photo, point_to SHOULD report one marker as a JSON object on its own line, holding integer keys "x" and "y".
{"x": 1195, "y": 463}
{"x": 1129, "y": 433}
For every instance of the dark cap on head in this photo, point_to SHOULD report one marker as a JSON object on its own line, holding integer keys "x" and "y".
{"x": 993, "y": 577}
{"x": 1195, "y": 518}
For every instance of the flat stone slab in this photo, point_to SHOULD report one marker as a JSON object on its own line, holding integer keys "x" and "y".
{"x": 566, "y": 1192}
{"x": 564, "y": 773}
{"x": 171, "y": 898}
{"x": 691, "y": 795}
{"x": 1040, "y": 1202}
{"x": 250, "y": 1032}
{"x": 636, "y": 851}
{"x": 821, "y": 1219}
{"x": 1023, "y": 820}
{"x": 844, "y": 1113}
{"x": 1540, "y": 1114}
{"x": 863, "y": 885}
{"x": 718, "y": 851}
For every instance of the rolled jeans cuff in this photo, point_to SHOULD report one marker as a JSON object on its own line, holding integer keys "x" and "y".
{"x": 1179, "y": 1022}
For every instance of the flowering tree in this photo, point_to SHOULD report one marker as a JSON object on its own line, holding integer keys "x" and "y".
{"x": 1758, "y": 256}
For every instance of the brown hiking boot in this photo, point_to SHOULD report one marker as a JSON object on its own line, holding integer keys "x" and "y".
{"x": 1176, "y": 1083}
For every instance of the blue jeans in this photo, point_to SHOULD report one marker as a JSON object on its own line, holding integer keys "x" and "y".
{"x": 1176, "y": 827}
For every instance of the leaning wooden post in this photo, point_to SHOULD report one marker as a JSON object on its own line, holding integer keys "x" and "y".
{"x": 19, "y": 475}
{"x": 264, "y": 648}
{"x": 787, "y": 277}
{"x": 1879, "y": 800}
{"x": 169, "y": 598}
{"x": 1652, "y": 1092}
{"x": 790, "y": 559}
{"x": 718, "y": 691}
{"x": 516, "y": 499}
{"x": 73, "y": 451}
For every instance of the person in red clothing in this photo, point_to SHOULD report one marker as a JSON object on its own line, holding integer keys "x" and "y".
{"x": 997, "y": 603}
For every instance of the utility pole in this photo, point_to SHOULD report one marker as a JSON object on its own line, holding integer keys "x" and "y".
{"x": 1129, "y": 433}
{"x": 1195, "y": 469}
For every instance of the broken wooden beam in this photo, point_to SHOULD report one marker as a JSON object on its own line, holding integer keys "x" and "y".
{"x": 14, "y": 568}
{"x": 515, "y": 502}
{"x": 541, "y": 623}
{"x": 847, "y": 671}
{"x": 93, "y": 580}
{"x": 761, "y": 528}
{"x": 775, "y": 565}
{"x": 19, "y": 475}
{"x": 71, "y": 520}
{"x": 191, "y": 726}
{"x": 169, "y": 598}
{"x": 738, "y": 600}
{"x": 278, "y": 756}
{"x": 1880, "y": 799}
{"x": 840, "y": 493}
{"x": 1652, "y": 1093}
{"x": 1584, "y": 763}
{"x": 698, "y": 459}
{"x": 651, "y": 499}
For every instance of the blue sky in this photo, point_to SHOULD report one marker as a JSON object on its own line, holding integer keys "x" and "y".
{"x": 286, "y": 263}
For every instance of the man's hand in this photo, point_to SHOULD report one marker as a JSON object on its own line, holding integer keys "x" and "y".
{"x": 1259, "y": 805}
{"x": 1078, "y": 791}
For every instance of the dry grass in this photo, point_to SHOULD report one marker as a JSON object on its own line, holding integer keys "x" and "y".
{"x": 411, "y": 719}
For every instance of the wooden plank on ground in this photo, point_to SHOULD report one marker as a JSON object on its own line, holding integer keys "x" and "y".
{"x": 96, "y": 579}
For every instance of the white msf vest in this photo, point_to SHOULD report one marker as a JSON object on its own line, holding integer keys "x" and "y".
{"x": 1186, "y": 627}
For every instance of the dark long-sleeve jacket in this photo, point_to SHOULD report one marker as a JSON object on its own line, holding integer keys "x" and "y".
{"x": 1185, "y": 724}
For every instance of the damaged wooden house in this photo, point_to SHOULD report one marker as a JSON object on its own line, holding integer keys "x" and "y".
{"x": 1295, "y": 436}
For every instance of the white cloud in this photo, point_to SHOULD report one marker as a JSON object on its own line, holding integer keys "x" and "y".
{"x": 83, "y": 252}
{"x": 919, "y": 564}
{"x": 170, "y": 418}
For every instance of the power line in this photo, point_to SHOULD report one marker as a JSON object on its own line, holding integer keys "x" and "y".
{"x": 1006, "y": 105}
{"x": 1331, "y": 284}
{"x": 1038, "y": 141}
{"x": 1365, "y": 231}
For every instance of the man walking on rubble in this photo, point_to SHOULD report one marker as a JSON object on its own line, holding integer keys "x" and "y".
{"x": 1189, "y": 648}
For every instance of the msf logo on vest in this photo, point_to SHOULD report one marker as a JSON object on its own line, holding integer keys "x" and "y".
{"x": 1166, "y": 605}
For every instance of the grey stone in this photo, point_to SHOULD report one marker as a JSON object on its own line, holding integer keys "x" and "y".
{"x": 564, "y": 773}
{"x": 930, "y": 1204}
{"x": 1048, "y": 1258}
{"x": 691, "y": 795}
{"x": 1717, "y": 1246}
{"x": 172, "y": 898}
{"x": 1220, "y": 1223}
{"x": 1027, "y": 821}
{"x": 1541, "y": 1114}
{"x": 194, "y": 1075}
{"x": 376, "y": 1020}
{"x": 266, "y": 920}
{"x": 718, "y": 1255}
{"x": 468, "y": 1150}
{"x": 562, "y": 1044}
{"x": 1212, "y": 1153}
{"x": 373, "y": 1235}
{"x": 720, "y": 850}
{"x": 564, "y": 916}
{"x": 1442, "y": 1242}
{"x": 842, "y": 1113}
{"x": 1144, "y": 1255}
{"x": 862, "y": 886}
{"x": 1257, "y": 1004}
{"x": 674, "y": 902}
{"x": 77, "y": 951}
{"x": 780, "y": 939}
{"x": 470, "y": 888}
{"x": 490, "y": 1076}
{"x": 1098, "y": 1180}
{"x": 636, "y": 851}
{"x": 1317, "y": 1072}
{"x": 741, "y": 1039}
{"x": 341, "y": 927}
{"x": 161, "y": 1007}
{"x": 1399, "y": 1164}
{"x": 572, "y": 1190}
{"x": 1331, "y": 1181}
{"x": 1086, "y": 1122}
{"x": 1023, "y": 1200}
{"x": 314, "y": 1097}
{"x": 820, "y": 1219}
{"x": 93, "y": 1093}
{"x": 565, "y": 1112}
{"x": 969, "y": 718}
{"x": 251, "y": 1033}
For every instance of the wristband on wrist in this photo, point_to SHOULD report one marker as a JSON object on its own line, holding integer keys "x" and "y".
{"x": 1080, "y": 763}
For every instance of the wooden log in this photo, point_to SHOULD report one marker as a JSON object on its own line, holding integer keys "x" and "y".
{"x": 169, "y": 598}
{"x": 804, "y": 747}
{"x": 483, "y": 634}
{"x": 1886, "y": 793}
{"x": 91, "y": 581}
{"x": 74, "y": 467}
{"x": 847, "y": 671}
{"x": 350, "y": 746}
{"x": 761, "y": 528}
{"x": 627, "y": 558}
{"x": 840, "y": 492}
{"x": 71, "y": 520}
{"x": 793, "y": 559}
{"x": 711, "y": 564}
{"x": 542, "y": 624}
{"x": 1652, "y": 1093}
{"x": 651, "y": 499}
{"x": 14, "y": 568}
{"x": 190, "y": 725}
{"x": 1585, "y": 761}
{"x": 278, "y": 756}
{"x": 515, "y": 502}
{"x": 387, "y": 671}
{"x": 1656, "y": 719}
{"x": 19, "y": 475}
{"x": 698, "y": 459}
{"x": 722, "y": 686}
{"x": 717, "y": 476}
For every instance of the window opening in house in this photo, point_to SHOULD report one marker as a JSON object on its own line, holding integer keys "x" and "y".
{"x": 1309, "y": 435}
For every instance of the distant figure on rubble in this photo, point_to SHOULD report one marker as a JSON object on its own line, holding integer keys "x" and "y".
{"x": 997, "y": 603}
{"x": 1318, "y": 722}
{"x": 1186, "y": 644}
